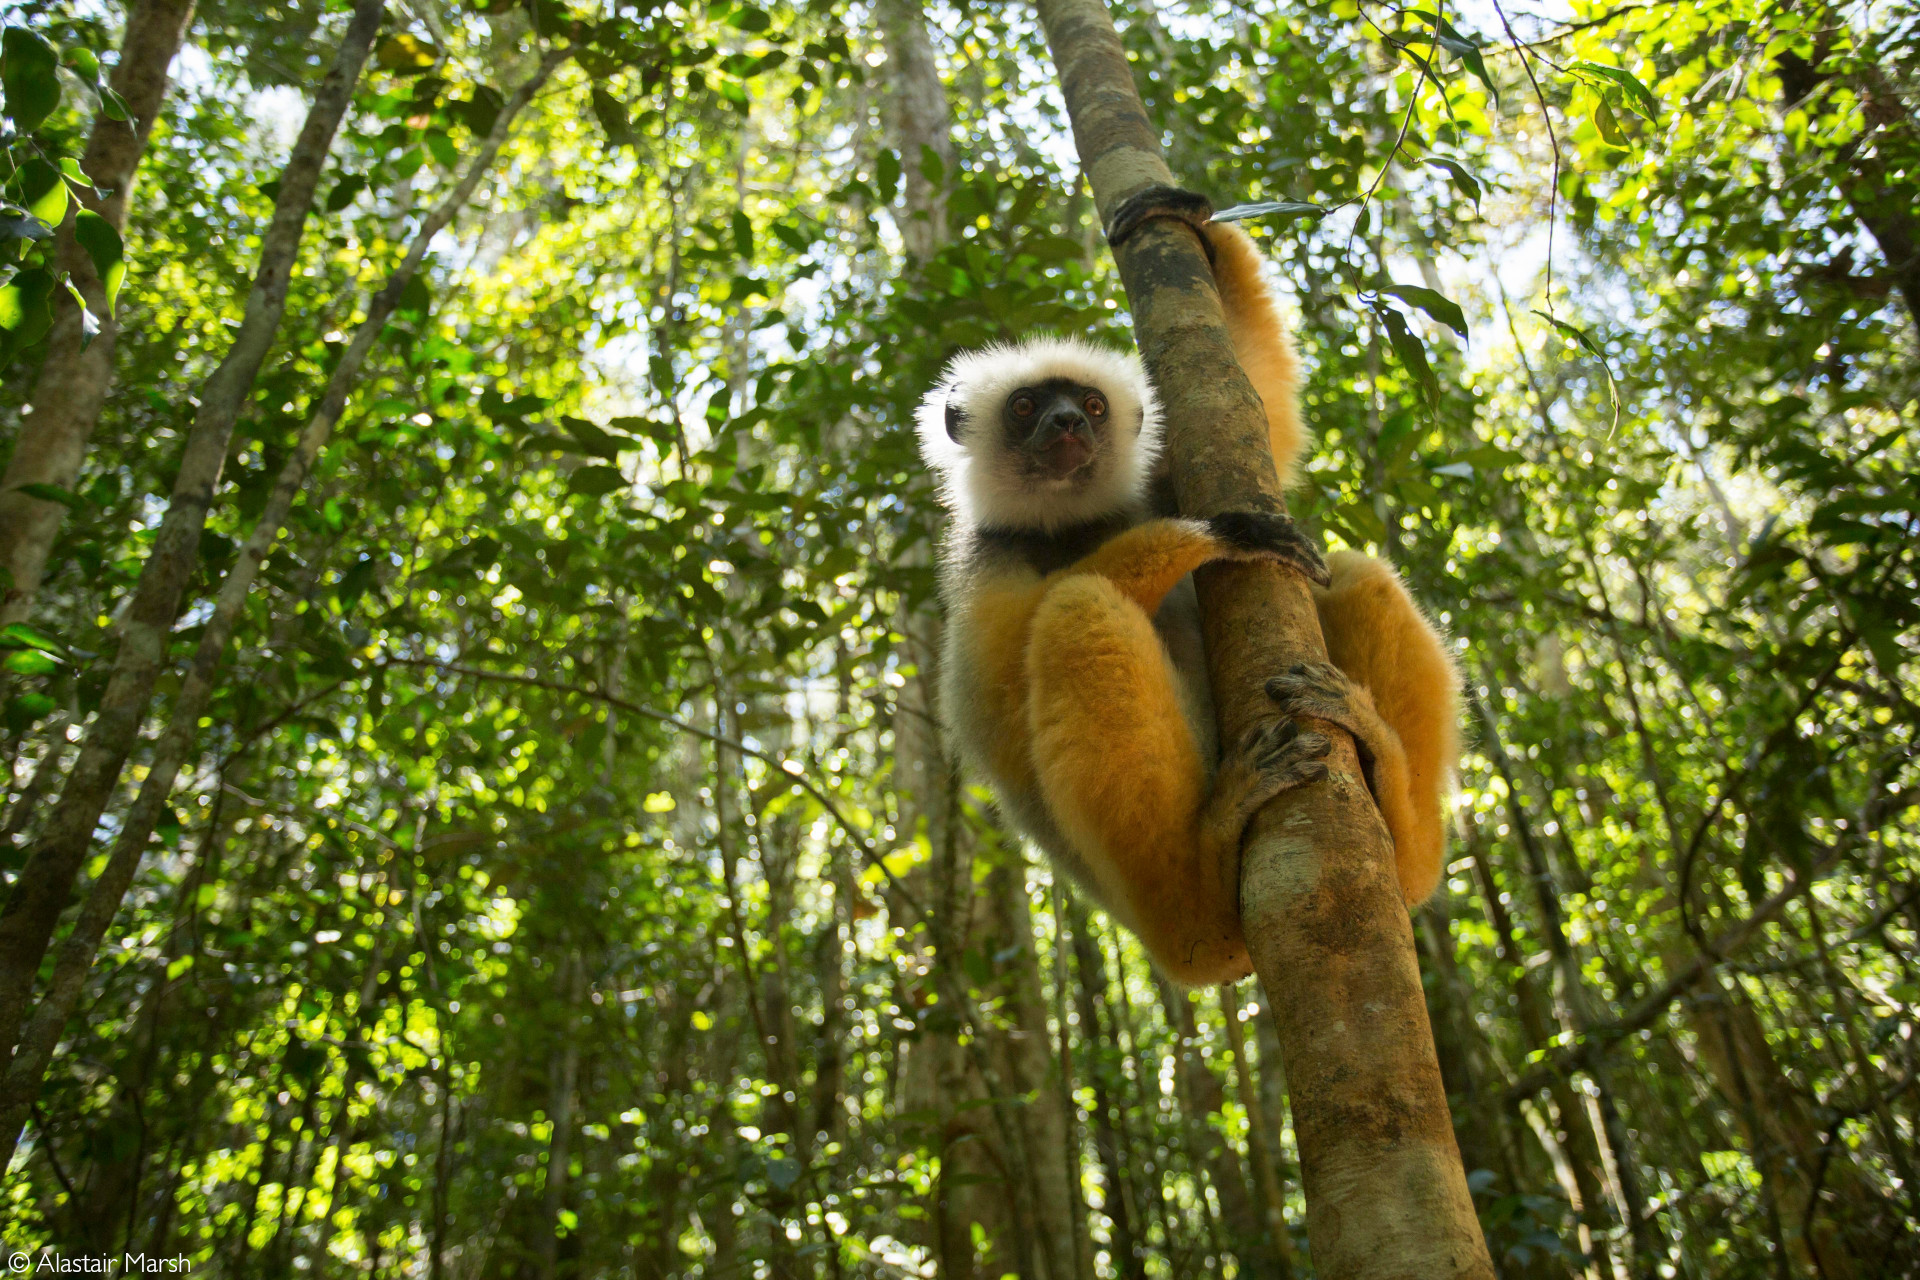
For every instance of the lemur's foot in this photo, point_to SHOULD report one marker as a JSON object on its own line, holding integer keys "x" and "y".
{"x": 1322, "y": 691}
{"x": 1263, "y": 533}
{"x": 1274, "y": 756}
{"x": 1142, "y": 207}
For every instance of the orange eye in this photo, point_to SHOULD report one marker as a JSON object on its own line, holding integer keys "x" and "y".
{"x": 1096, "y": 406}
{"x": 1023, "y": 405}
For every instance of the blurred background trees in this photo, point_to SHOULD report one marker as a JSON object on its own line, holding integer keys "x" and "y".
{"x": 475, "y": 805}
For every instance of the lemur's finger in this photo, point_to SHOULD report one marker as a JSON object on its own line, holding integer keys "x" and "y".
{"x": 1142, "y": 207}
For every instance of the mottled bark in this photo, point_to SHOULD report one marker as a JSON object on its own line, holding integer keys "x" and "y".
{"x": 920, "y": 124}
{"x": 41, "y": 892}
{"x": 73, "y": 380}
{"x": 1324, "y": 919}
{"x": 22, "y": 1079}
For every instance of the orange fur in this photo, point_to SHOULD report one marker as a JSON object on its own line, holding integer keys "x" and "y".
{"x": 1260, "y": 341}
{"x": 1408, "y": 695}
{"x": 1063, "y": 688}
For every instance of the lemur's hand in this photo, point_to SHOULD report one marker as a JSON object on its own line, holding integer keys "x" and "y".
{"x": 1142, "y": 207}
{"x": 1265, "y": 535}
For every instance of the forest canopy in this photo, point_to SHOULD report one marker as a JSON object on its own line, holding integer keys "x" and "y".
{"x": 475, "y": 804}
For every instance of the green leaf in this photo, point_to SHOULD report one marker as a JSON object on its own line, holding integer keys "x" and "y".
{"x": 593, "y": 440}
{"x": 1608, "y": 124}
{"x": 102, "y": 243}
{"x": 26, "y": 309}
{"x": 479, "y": 113}
{"x": 1464, "y": 47}
{"x": 1434, "y": 304}
{"x": 1407, "y": 345}
{"x": 43, "y": 192}
{"x": 22, "y": 636}
{"x": 886, "y": 175}
{"x": 27, "y": 708}
{"x": 1638, "y": 96}
{"x": 1579, "y": 335}
{"x": 750, "y": 20}
{"x": 595, "y": 481}
{"x": 1467, "y": 184}
{"x": 742, "y": 234}
{"x": 344, "y": 191}
{"x": 29, "y": 76}
{"x": 89, "y": 322}
{"x": 30, "y": 662}
{"x": 612, "y": 115}
{"x": 52, "y": 493}
{"x": 1281, "y": 209}
{"x": 22, "y": 226}
{"x": 406, "y": 55}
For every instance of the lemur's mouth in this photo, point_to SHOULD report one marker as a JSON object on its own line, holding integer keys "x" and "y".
{"x": 1064, "y": 457}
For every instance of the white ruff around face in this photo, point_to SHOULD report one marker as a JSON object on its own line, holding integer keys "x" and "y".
{"x": 983, "y": 483}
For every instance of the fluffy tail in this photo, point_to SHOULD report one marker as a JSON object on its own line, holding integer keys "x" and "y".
{"x": 1260, "y": 340}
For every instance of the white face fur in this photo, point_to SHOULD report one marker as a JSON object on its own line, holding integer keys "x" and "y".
{"x": 982, "y": 479}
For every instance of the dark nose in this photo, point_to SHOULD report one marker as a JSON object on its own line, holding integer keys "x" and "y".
{"x": 1061, "y": 420}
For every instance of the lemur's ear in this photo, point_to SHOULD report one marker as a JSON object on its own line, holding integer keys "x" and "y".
{"x": 956, "y": 416}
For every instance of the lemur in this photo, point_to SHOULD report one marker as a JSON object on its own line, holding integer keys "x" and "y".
{"x": 1073, "y": 676}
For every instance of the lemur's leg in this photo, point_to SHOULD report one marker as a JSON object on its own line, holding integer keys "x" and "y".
{"x": 1121, "y": 773}
{"x": 1392, "y": 685}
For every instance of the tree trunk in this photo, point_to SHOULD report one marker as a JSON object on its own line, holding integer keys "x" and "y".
{"x": 1248, "y": 1223}
{"x": 72, "y": 383}
{"x": 22, "y": 1080}
{"x": 1096, "y": 1031}
{"x": 1260, "y": 1154}
{"x": 1029, "y": 1070}
{"x": 1325, "y": 922}
{"x": 40, "y": 894}
{"x": 1834, "y": 1218}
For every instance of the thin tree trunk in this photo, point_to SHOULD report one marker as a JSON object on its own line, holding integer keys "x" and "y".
{"x": 22, "y": 1080}
{"x": 40, "y": 894}
{"x": 920, "y": 123}
{"x": 73, "y": 380}
{"x": 1609, "y": 1132}
{"x": 1324, "y": 918}
{"x": 1249, "y": 1225}
{"x": 1090, "y": 997}
{"x": 565, "y": 1075}
{"x": 1266, "y": 1166}
{"x": 1030, "y": 1071}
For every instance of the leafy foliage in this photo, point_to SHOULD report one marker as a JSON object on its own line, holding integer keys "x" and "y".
{"x": 551, "y": 892}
